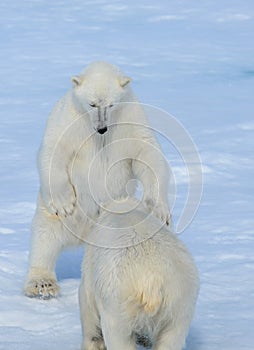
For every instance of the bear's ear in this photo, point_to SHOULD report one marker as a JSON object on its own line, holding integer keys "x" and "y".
{"x": 123, "y": 81}
{"x": 76, "y": 80}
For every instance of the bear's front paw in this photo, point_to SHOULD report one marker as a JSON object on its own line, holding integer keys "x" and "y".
{"x": 160, "y": 210}
{"x": 42, "y": 289}
{"x": 63, "y": 203}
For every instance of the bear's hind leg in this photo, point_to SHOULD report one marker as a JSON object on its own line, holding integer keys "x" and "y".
{"x": 172, "y": 336}
{"x": 116, "y": 332}
{"x": 48, "y": 240}
{"x": 90, "y": 319}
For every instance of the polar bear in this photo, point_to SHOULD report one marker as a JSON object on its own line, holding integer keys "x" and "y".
{"x": 97, "y": 140}
{"x": 143, "y": 289}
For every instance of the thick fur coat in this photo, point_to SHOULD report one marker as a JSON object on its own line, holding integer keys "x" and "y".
{"x": 96, "y": 140}
{"x": 139, "y": 279}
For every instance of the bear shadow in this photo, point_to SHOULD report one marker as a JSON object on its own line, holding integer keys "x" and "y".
{"x": 193, "y": 341}
{"x": 69, "y": 262}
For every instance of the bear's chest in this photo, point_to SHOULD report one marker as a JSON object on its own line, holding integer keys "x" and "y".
{"x": 101, "y": 172}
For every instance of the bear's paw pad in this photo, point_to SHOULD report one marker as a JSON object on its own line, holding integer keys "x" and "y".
{"x": 42, "y": 289}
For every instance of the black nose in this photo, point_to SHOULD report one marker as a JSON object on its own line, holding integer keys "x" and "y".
{"x": 102, "y": 130}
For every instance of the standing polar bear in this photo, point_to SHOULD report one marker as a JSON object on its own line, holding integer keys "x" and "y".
{"x": 143, "y": 289}
{"x": 96, "y": 141}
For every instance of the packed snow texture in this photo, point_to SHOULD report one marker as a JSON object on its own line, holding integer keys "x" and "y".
{"x": 193, "y": 59}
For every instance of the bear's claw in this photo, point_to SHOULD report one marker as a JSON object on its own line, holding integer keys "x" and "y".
{"x": 160, "y": 210}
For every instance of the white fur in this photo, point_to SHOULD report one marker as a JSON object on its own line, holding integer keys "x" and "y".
{"x": 148, "y": 288}
{"x": 81, "y": 169}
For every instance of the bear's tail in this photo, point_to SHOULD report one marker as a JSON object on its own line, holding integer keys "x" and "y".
{"x": 149, "y": 300}
{"x": 145, "y": 296}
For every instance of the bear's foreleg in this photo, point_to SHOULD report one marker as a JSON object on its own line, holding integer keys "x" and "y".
{"x": 49, "y": 238}
{"x": 152, "y": 170}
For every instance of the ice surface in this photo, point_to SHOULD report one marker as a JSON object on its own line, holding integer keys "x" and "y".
{"x": 192, "y": 58}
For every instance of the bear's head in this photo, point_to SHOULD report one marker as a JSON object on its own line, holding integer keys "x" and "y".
{"x": 98, "y": 90}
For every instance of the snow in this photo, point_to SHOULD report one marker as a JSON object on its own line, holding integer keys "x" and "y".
{"x": 193, "y": 59}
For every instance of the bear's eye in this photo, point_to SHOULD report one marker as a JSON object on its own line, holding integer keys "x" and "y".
{"x": 111, "y": 105}
{"x": 92, "y": 105}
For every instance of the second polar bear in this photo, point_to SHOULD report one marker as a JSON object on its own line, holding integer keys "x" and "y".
{"x": 139, "y": 282}
{"x": 97, "y": 139}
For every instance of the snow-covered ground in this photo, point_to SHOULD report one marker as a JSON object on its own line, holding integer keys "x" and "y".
{"x": 192, "y": 58}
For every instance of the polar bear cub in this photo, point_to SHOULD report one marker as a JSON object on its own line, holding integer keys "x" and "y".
{"x": 138, "y": 281}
